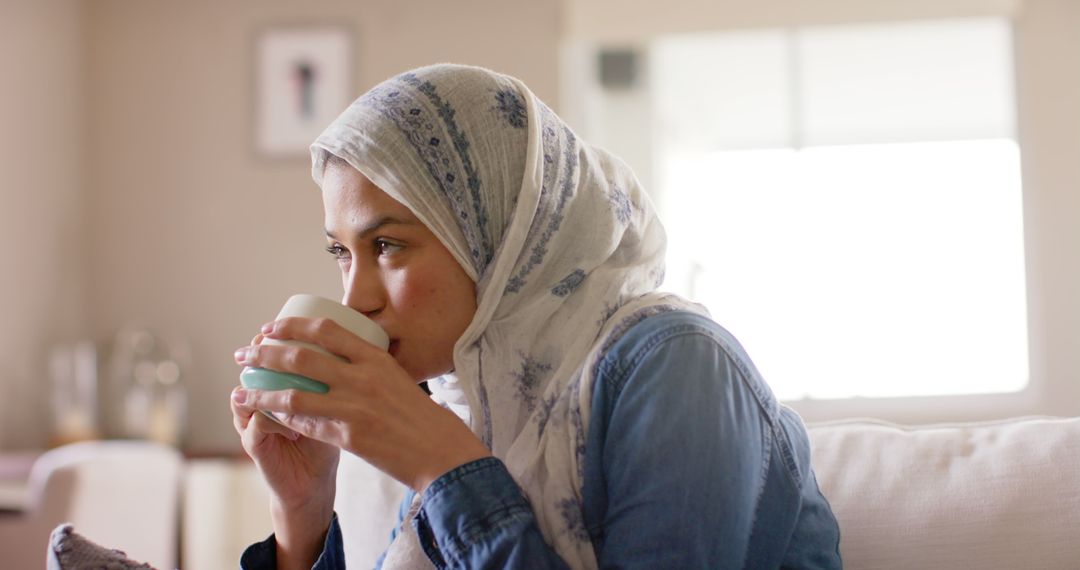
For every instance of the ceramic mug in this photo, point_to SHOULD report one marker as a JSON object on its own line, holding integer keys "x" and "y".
{"x": 312, "y": 306}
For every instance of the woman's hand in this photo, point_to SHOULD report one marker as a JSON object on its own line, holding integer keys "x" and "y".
{"x": 373, "y": 409}
{"x": 299, "y": 471}
{"x": 301, "y": 474}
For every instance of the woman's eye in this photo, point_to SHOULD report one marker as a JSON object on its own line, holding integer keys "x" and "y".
{"x": 383, "y": 247}
{"x": 338, "y": 251}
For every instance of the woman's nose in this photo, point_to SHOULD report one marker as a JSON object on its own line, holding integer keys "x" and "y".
{"x": 364, "y": 293}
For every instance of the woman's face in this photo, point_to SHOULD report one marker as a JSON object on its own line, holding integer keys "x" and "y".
{"x": 396, "y": 272}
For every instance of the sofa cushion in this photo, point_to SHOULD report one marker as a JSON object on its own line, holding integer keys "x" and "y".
{"x": 1002, "y": 494}
{"x": 367, "y": 504}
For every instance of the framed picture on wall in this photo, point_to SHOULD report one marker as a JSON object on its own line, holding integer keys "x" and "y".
{"x": 303, "y": 81}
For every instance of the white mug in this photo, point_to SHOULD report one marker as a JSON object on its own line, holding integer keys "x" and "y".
{"x": 312, "y": 306}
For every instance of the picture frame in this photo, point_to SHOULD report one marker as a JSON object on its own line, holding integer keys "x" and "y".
{"x": 303, "y": 81}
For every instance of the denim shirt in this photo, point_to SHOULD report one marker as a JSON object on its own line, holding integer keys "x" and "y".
{"x": 690, "y": 463}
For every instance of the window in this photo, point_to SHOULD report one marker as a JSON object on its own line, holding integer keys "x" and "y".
{"x": 847, "y": 201}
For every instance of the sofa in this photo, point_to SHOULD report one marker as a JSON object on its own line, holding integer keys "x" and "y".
{"x": 1003, "y": 494}
{"x": 994, "y": 495}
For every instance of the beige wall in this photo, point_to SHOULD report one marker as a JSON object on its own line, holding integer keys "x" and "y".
{"x": 190, "y": 232}
{"x": 42, "y": 229}
{"x": 1048, "y": 79}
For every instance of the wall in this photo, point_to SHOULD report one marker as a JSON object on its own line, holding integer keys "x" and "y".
{"x": 190, "y": 232}
{"x": 41, "y": 194}
{"x": 1048, "y": 76}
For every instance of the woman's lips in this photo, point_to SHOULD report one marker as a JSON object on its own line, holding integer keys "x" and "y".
{"x": 393, "y": 348}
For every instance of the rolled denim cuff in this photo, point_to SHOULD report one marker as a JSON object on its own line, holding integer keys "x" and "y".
{"x": 469, "y": 508}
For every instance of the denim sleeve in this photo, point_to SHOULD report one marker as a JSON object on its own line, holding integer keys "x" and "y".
{"x": 263, "y": 555}
{"x": 476, "y": 516}
{"x": 683, "y": 453}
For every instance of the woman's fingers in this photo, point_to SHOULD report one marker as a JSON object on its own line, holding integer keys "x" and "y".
{"x": 287, "y": 403}
{"x": 325, "y": 333}
{"x": 310, "y": 415}
{"x": 294, "y": 359}
{"x": 241, "y": 414}
{"x": 245, "y": 416}
{"x": 326, "y": 430}
{"x": 267, "y": 425}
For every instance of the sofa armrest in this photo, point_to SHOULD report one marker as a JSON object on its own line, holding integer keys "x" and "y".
{"x": 1002, "y": 494}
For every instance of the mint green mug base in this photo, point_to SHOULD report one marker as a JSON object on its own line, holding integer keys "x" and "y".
{"x": 264, "y": 379}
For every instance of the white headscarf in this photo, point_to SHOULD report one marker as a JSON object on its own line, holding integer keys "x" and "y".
{"x": 563, "y": 244}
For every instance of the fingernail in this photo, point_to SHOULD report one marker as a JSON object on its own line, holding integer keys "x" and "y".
{"x": 241, "y": 354}
{"x": 268, "y": 328}
{"x": 239, "y": 395}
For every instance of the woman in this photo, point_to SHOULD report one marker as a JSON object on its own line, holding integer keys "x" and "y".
{"x": 578, "y": 418}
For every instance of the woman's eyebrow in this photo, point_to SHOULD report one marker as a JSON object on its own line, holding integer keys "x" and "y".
{"x": 374, "y": 226}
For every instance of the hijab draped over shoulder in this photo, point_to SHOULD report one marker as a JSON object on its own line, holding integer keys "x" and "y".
{"x": 564, "y": 246}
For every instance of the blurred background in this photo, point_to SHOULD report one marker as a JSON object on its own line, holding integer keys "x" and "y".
{"x": 880, "y": 199}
